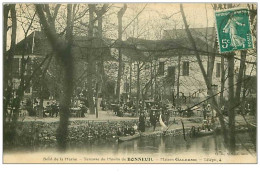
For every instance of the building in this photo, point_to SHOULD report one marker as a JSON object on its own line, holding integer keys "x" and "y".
{"x": 160, "y": 69}
{"x": 169, "y": 66}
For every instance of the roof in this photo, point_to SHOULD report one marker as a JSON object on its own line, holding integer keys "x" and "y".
{"x": 37, "y": 43}
{"x": 173, "y": 43}
{"x": 39, "y": 47}
{"x": 205, "y": 34}
{"x": 204, "y": 37}
{"x": 167, "y": 47}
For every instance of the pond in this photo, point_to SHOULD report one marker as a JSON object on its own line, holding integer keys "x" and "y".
{"x": 206, "y": 145}
{"x": 167, "y": 145}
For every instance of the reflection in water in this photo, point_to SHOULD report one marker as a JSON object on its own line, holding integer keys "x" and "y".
{"x": 168, "y": 145}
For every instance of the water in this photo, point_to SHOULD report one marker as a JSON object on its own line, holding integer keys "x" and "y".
{"x": 168, "y": 145}
{"x": 207, "y": 145}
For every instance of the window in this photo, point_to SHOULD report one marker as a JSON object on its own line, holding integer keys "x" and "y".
{"x": 185, "y": 68}
{"x": 161, "y": 68}
{"x": 171, "y": 74}
{"x": 218, "y": 70}
{"x": 171, "y": 71}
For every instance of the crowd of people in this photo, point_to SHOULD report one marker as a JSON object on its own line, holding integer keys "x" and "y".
{"x": 80, "y": 107}
{"x": 51, "y": 108}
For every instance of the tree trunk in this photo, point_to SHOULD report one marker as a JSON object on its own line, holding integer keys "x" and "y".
{"x": 67, "y": 62}
{"x": 221, "y": 98}
{"x": 91, "y": 62}
{"x": 130, "y": 84}
{"x": 152, "y": 92}
{"x": 20, "y": 90}
{"x": 178, "y": 82}
{"x": 155, "y": 79}
{"x": 64, "y": 54}
{"x": 6, "y": 73}
{"x": 119, "y": 75}
{"x": 231, "y": 102}
{"x": 100, "y": 73}
{"x": 120, "y": 15}
{"x": 41, "y": 114}
{"x": 8, "y": 59}
{"x": 138, "y": 88}
{"x": 214, "y": 102}
{"x": 240, "y": 76}
{"x": 211, "y": 62}
{"x": 8, "y": 87}
{"x": 243, "y": 100}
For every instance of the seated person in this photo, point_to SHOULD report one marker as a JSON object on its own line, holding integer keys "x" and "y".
{"x": 119, "y": 131}
{"x": 120, "y": 112}
{"x": 132, "y": 131}
{"x": 47, "y": 109}
{"x": 127, "y": 131}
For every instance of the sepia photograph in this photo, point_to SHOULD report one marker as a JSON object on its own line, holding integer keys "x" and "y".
{"x": 131, "y": 83}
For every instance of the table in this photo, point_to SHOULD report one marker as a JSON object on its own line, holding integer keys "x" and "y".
{"x": 173, "y": 112}
{"x": 75, "y": 111}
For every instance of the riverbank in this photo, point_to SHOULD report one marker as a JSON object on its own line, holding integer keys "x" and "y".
{"x": 43, "y": 131}
{"x": 109, "y": 116}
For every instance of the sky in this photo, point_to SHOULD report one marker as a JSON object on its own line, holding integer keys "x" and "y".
{"x": 155, "y": 18}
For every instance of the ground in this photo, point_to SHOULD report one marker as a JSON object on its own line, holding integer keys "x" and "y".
{"x": 110, "y": 116}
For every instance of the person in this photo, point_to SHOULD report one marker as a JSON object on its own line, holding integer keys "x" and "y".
{"x": 37, "y": 109}
{"x": 83, "y": 110}
{"x": 209, "y": 112}
{"x": 153, "y": 120}
{"x": 47, "y": 109}
{"x": 119, "y": 131}
{"x": 180, "y": 111}
{"x": 205, "y": 125}
{"x": 142, "y": 119}
{"x": 103, "y": 104}
{"x": 120, "y": 112}
{"x": 165, "y": 115}
{"x": 204, "y": 113}
{"x": 125, "y": 109}
{"x": 127, "y": 130}
{"x": 131, "y": 103}
{"x": 54, "y": 109}
{"x": 131, "y": 131}
{"x": 116, "y": 109}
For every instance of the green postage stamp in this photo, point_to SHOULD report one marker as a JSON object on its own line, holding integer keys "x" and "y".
{"x": 233, "y": 28}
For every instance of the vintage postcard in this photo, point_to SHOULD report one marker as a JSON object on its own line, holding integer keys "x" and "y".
{"x": 130, "y": 83}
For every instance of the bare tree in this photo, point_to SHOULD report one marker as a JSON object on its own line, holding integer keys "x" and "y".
{"x": 62, "y": 50}
{"x": 8, "y": 59}
{"x": 214, "y": 102}
{"x": 120, "y": 15}
{"x": 91, "y": 61}
{"x": 100, "y": 64}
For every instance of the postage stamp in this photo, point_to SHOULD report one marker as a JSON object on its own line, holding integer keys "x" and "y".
{"x": 233, "y": 28}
